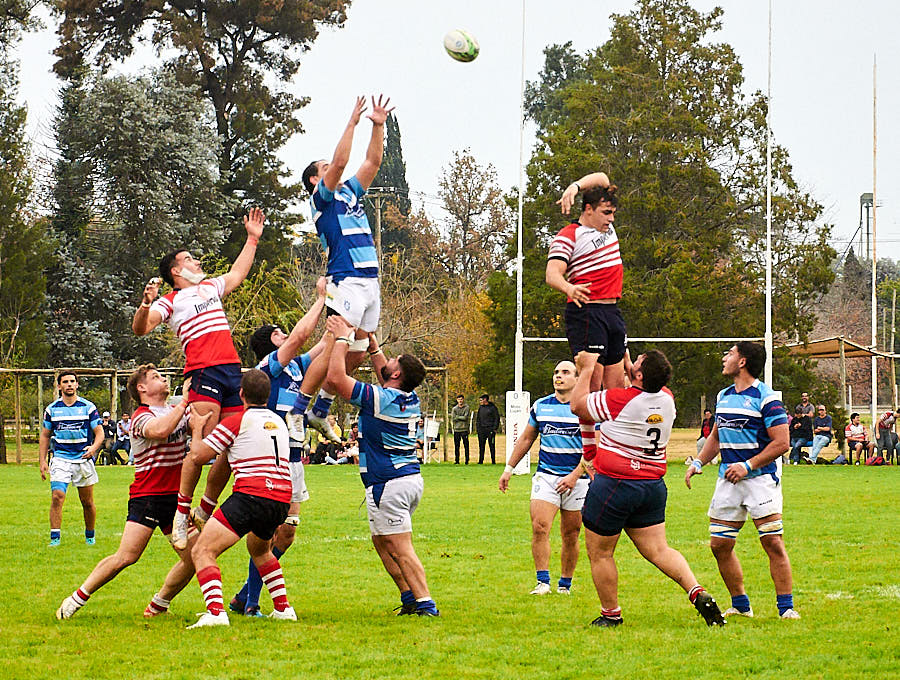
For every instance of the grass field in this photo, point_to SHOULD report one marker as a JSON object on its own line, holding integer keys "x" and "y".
{"x": 474, "y": 542}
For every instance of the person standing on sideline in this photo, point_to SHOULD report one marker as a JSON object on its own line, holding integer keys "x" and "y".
{"x": 822, "y": 434}
{"x": 805, "y": 406}
{"x": 70, "y": 422}
{"x": 109, "y": 438}
{"x": 459, "y": 417}
{"x": 487, "y": 422}
{"x": 559, "y": 454}
{"x": 387, "y": 460}
{"x": 123, "y": 439}
{"x": 886, "y": 439}
{"x": 627, "y": 456}
{"x": 751, "y": 433}
{"x": 706, "y": 426}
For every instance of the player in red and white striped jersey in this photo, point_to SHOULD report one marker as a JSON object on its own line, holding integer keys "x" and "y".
{"x": 159, "y": 437}
{"x": 627, "y": 491}
{"x": 255, "y": 445}
{"x": 195, "y": 313}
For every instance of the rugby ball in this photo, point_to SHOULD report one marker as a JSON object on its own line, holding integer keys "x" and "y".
{"x": 460, "y": 45}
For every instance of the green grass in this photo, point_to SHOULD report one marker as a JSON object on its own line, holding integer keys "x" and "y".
{"x": 841, "y": 536}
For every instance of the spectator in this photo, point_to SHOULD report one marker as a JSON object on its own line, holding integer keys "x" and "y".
{"x": 109, "y": 433}
{"x": 706, "y": 426}
{"x": 801, "y": 433}
{"x": 857, "y": 439}
{"x": 805, "y": 406}
{"x": 459, "y": 419}
{"x": 123, "y": 441}
{"x": 886, "y": 440}
{"x": 353, "y": 436}
{"x": 487, "y": 422}
{"x": 822, "y": 434}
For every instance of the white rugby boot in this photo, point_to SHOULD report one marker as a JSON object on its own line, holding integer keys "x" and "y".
{"x": 738, "y": 612}
{"x": 540, "y": 589}
{"x": 180, "y": 531}
{"x": 790, "y": 614}
{"x": 287, "y": 615}
{"x": 208, "y": 619}
{"x": 67, "y": 609}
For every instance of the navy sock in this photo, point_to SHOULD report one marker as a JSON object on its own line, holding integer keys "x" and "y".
{"x": 565, "y": 582}
{"x": 784, "y": 602}
{"x": 741, "y": 602}
{"x": 543, "y": 576}
{"x": 88, "y": 533}
{"x": 426, "y": 605}
{"x": 301, "y": 404}
{"x": 55, "y": 533}
{"x": 323, "y": 404}
{"x": 407, "y": 597}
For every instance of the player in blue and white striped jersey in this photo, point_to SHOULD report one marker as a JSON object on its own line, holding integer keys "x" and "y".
{"x": 76, "y": 431}
{"x": 560, "y": 453}
{"x": 751, "y": 433}
{"x": 388, "y": 464}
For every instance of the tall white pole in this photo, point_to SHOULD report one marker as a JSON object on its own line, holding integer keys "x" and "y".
{"x": 519, "y": 257}
{"x": 874, "y": 213}
{"x": 768, "y": 333}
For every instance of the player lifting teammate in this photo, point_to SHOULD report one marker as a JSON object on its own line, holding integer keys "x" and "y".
{"x": 195, "y": 313}
{"x": 354, "y": 291}
{"x": 627, "y": 492}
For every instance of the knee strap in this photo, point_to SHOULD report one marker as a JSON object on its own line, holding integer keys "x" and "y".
{"x": 360, "y": 345}
{"x": 723, "y": 531}
{"x": 774, "y": 528}
{"x": 293, "y": 520}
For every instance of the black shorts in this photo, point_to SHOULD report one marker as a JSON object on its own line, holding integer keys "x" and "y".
{"x": 153, "y": 511}
{"x": 598, "y": 328}
{"x": 614, "y": 504}
{"x": 217, "y": 384}
{"x": 243, "y": 513}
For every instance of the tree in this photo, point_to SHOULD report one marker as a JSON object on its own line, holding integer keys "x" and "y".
{"x": 392, "y": 177}
{"x": 660, "y": 108}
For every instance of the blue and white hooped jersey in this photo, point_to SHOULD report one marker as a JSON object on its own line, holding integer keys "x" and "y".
{"x": 285, "y": 381}
{"x": 560, "y": 449}
{"x": 387, "y": 432}
{"x": 344, "y": 231}
{"x": 743, "y": 419}
{"x": 71, "y": 427}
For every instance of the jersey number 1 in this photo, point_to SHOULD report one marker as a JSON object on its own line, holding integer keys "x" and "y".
{"x": 275, "y": 446}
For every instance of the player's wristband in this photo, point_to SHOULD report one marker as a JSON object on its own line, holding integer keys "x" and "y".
{"x": 183, "y": 403}
{"x": 377, "y": 351}
{"x": 748, "y": 466}
{"x": 697, "y": 464}
{"x": 146, "y": 305}
{"x": 577, "y": 186}
{"x": 509, "y": 468}
{"x": 343, "y": 339}
{"x": 252, "y": 240}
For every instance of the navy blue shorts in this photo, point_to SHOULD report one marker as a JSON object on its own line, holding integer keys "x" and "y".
{"x": 243, "y": 513}
{"x": 153, "y": 511}
{"x": 217, "y": 384}
{"x": 598, "y": 328}
{"x": 615, "y": 504}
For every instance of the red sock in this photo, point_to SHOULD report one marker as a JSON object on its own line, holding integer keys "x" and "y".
{"x": 81, "y": 596}
{"x": 588, "y": 438}
{"x": 210, "y": 580}
{"x": 274, "y": 580}
{"x": 207, "y": 506}
{"x": 184, "y": 504}
{"x": 612, "y": 613}
{"x": 695, "y": 591}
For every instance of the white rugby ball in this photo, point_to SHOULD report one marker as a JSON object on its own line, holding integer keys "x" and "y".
{"x": 461, "y": 45}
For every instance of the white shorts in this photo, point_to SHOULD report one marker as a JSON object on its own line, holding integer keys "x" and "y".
{"x": 299, "y": 492}
{"x": 358, "y": 300}
{"x": 543, "y": 488}
{"x": 757, "y": 497}
{"x": 78, "y": 472}
{"x": 393, "y": 513}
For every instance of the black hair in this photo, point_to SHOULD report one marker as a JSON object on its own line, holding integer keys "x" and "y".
{"x": 311, "y": 171}
{"x": 166, "y": 264}
{"x": 656, "y": 370}
{"x": 63, "y": 374}
{"x": 485, "y": 396}
{"x": 412, "y": 372}
{"x": 593, "y": 197}
{"x": 459, "y": 396}
{"x": 261, "y": 341}
{"x": 754, "y": 355}
{"x": 854, "y": 415}
{"x": 255, "y": 385}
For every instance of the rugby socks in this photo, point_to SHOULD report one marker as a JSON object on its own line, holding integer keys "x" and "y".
{"x": 741, "y": 602}
{"x": 88, "y": 533}
{"x": 210, "y": 580}
{"x": 249, "y": 594}
{"x": 274, "y": 579}
{"x": 157, "y": 606}
{"x": 301, "y": 404}
{"x": 426, "y": 604}
{"x": 184, "y": 504}
{"x": 543, "y": 576}
{"x": 615, "y": 614}
{"x": 323, "y": 404}
{"x": 588, "y": 438}
{"x": 565, "y": 582}
{"x": 784, "y": 602}
{"x": 695, "y": 591}
{"x": 81, "y": 596}
{"x": 208, "y": 506}
{"x": 55, "y": 534}
{"x": 407, "y": 597}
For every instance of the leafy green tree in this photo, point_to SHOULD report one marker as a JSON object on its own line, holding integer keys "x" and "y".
{"x": 391, "y": 176}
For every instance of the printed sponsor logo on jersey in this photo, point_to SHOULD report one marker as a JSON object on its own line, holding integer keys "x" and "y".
{"x": 733, "y": 424}
{"x": 600, "y": 240}
{"x": 564, "y": 431}
{"x": 269, "y": 484}
{"x": 269, "y": 425}
{"x": 654, "y": 418}
{"x": 635, "y": 464}
{"x": 203, "y": 306}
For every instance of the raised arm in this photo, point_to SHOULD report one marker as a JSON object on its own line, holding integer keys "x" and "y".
{"x": 341, "y": 156}
{"x": 161, "y": 427}
{"x": 253, "y": 223}
{"x": 376, "y": 355}
{"x": 304, "y": 327}
{"x": 595, "y": 179}
{"x": 338, "y": 344}
{"x": 145, "y": 319}
{"x": 374, "y": 153}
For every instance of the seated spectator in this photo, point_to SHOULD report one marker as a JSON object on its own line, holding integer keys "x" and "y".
{"x": 857, "y": 439}
{"x": 706, "y": 426}
{"x": 822, "y": 434}
{"x": 887, "y": 441}
{"x": 353, "y": 435}
{"x": 801, "y": 433}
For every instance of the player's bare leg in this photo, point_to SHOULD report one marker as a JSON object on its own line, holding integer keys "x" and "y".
{"x": 190, "y": 473}
{"x": 570, "y": 528}
{"x": 176, "y": 580}
{"x": 542, "y": 514}
{"x": 86, "y": 496}
{"x": 779, "y": 563}
{"x": 651, "y": 543}
{"x": 390, "y": 564}
{"x": 57, "y": 500}
{"x": 270, "y": 570}
{"x": 600, "y": 550}
{"x": 399, "y": 548}
{"x": 216, "y": 481}
{"x": 727, "y": 560}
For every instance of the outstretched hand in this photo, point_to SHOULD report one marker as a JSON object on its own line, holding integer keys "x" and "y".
{"x": 253, "y": 223}
{"x": 321, "y": 286}
{"x": 151, "y": 290}
{"x": 585, "y": 360}
{"x": 567, "y": 200}
{"x": 197, "y": 423}
{"x": 380, "y": 110}
{"x": 358, "y": 110}
{"x": 338, "y": 326}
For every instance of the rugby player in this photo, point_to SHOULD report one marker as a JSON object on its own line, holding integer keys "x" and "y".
{"x": 255, "y": 445}
{"x": 69, "y": 422}
{"x": 387, "y": 459}
{"x": 353, "y": 291}
{"x": 627, "y": 492}
{"x": 559, "y": 454}
{"x": 751, "y": 433}
{"x": 195, "y": 313}
{"x": 158, "y": 439}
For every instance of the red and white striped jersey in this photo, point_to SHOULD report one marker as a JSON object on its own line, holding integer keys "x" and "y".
{"x": 887, "y": 420}
{"x": 157, "y": 462}
{"x": 592, "y": 257}
{"x": 198, "y": 319}
{"x": 258, "y": 452}
{"x": 634, "y": 431}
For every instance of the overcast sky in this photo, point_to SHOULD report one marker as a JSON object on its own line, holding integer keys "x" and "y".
{"x": 821, "y": 86}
